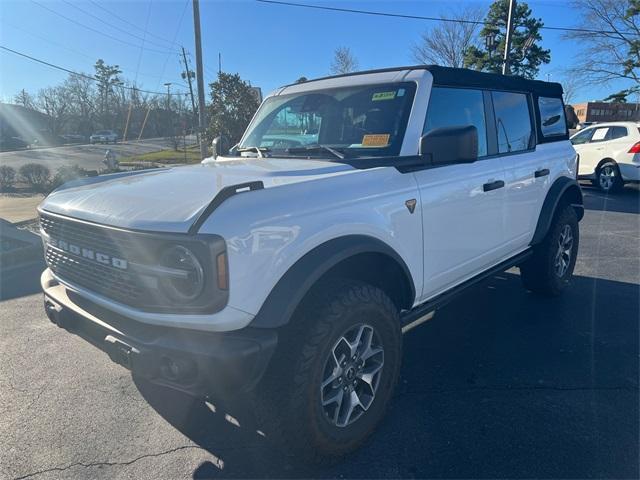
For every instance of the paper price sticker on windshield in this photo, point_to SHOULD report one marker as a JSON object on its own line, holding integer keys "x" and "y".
{"x": 383, "y": 96}
{"x": 381, "y": 140}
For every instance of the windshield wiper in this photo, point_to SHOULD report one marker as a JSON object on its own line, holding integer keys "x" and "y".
{"x": 258, "y": 150}
{"x": 315, "y": 148}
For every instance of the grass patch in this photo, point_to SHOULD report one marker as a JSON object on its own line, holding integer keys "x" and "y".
{"x": 164, "y": 157}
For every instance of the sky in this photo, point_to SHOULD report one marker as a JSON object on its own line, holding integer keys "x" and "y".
{"x": 268, "y": 45}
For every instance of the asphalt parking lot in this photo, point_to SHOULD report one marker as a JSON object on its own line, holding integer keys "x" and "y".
{"x": 499, "y": 384}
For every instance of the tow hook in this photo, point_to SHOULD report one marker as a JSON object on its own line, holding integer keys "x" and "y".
{"x": 120, "y": 352}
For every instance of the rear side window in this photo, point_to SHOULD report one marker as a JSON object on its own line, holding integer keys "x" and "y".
{"x": 552, "y": 117}
{"x": 450, "y": 107}
{"x": 513, "y": 121}
{"x": 617, "y": 132}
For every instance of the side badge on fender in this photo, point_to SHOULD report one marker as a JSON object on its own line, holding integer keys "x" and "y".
{"x": 411, "y": 205}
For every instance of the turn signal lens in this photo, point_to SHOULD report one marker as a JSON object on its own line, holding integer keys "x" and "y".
{"x": 223, "y": 273}
{"x": 635, "y": 148}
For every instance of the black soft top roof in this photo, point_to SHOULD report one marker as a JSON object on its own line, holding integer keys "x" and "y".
{"x": 463, "y": 77}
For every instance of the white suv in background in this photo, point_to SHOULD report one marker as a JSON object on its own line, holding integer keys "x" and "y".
{"x": 609, "y": 154}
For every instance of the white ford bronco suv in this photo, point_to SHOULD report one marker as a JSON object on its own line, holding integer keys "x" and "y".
{"x": 288, "y": 266}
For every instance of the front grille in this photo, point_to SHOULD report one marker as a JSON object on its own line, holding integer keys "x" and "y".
{"x": 121, "y": 285}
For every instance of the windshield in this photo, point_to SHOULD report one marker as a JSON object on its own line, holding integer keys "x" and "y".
{"x": 356, "y": 121}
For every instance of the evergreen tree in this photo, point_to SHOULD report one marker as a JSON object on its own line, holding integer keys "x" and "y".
{"x": 525, "y": 55}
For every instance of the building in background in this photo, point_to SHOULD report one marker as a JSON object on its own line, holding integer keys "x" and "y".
{"x": 607, "y": 112}
{"x": 18, "y": 121}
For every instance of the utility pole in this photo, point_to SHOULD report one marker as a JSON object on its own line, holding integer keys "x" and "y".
{"x": 200, "y": 77}
{"x": 168, "y": 85}
{"x": 507, "y": 43}
{"x": 219, "y": 63}
{"x": 168, "y": 126}
{"x": 193, "y": 102}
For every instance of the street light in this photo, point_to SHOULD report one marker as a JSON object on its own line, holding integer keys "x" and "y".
{"x": 490, "y": 43}
{"x": 528, "y": 43}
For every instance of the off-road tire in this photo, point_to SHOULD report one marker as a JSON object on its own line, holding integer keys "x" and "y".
{"x": 288, "y": 401}
{"x": 608, "y": 178}
{"x": 540, "y": 272}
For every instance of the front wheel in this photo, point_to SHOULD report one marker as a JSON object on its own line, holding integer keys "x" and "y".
{"x": 336, "y": 371}
{"x": 549, "y": 270}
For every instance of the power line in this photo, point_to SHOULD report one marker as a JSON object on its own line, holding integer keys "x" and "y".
{"x": 433, "y": 19}
{"x": 97, "y": 31}
{"x": 84, "y": 54}
{"x": 144, "y": 39}
{"x": 83, "y": 75}
{"x": 131, "y": 24}
{"x": 175, "y": 37}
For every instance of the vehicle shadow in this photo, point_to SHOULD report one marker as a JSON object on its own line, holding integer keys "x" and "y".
{"x": 22, "y": 280}
{"x": 626, "y": 201}
{"x": 501, "y": 383}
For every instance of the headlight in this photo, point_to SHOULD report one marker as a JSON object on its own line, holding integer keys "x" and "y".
{"x": 184, "y": 277}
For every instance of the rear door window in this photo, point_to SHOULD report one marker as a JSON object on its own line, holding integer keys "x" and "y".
{"x": 513, "y": 121}
{"x": 600, "y": 134}
{"x": 552, "y": 119}
{"x": 456, "y": 107}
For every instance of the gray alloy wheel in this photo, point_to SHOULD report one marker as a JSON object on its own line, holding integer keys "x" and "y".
{"x": 351, "y": 375}
{"x": 607, "y": 177}
{"x": 563, "y": 254}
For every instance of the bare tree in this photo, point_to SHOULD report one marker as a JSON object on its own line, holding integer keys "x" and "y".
{"x": 343, "y": 61}
{"x": 447, "y": 43}
{"x": 614, "y": 53}
{"x": 572, "y": 81}
{"x": 23, "y": 98}
{"x": 83, "y": 96}
{"x": 54, "y": 102}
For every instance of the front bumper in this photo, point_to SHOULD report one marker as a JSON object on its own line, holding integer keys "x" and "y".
{"x": 196, "y": 362}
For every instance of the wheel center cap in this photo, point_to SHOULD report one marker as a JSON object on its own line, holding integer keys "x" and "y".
{"x": 350, "y": 374}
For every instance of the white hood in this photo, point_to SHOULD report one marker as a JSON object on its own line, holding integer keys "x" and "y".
{"x": 170, "y": 200}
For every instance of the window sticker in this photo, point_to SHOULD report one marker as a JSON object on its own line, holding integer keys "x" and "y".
{"x": 599, "y": 134}
{"x": 378, "y": 140}
{"x": 400, "y": 92}
{"x": 383, "y": 96}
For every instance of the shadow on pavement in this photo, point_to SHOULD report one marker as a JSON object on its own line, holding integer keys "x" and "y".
{"x": 501, "y": 383}
{"x": 626, "y": 201}
{"x": 20, "y": 281}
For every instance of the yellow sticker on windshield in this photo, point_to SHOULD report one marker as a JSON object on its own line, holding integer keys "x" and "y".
{"x": 383, "y": 96}
{"x": 380, "y": 140}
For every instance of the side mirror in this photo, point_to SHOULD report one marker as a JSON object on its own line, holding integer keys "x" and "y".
{"x": 220, "y": 146}
{"x": 448, "y": 145}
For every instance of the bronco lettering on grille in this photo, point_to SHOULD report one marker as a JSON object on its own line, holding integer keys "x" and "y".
{"x": 89, "y": 254}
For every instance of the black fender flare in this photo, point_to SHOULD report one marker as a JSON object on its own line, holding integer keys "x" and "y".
{"x": 563, "y": 187}
{"x": 292, "y": 287}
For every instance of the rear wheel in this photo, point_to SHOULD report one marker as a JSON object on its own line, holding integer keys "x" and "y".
{"x": 550, "y": 269}
{"x": 335, "y": 372}
{"x": 608, "y": 178}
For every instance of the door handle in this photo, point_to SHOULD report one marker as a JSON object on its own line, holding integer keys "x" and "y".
{"x": 487, "y": 187}
{"x": 541, "y": 173}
